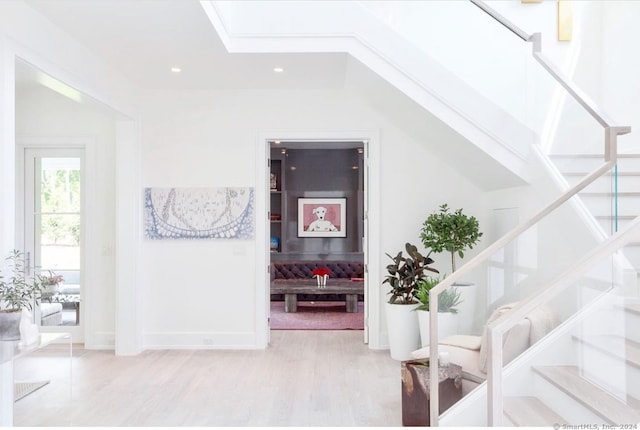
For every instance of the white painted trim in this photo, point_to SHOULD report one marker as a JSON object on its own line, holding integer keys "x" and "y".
{"x": 372, "y": 190}
{"x": 128, "y": 300}
{"x": 57, "y": 71}
{"x": 262, "y": 229}
{"x": 7, "y": 148}
{"x": 200, "y": 340}
{"x": 84, "y": 148}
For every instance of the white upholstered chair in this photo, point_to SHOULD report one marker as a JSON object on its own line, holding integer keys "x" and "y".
{"x": 470, "y": 352}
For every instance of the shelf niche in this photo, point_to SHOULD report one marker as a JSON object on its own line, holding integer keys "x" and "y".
{"x": 316, "y": 173}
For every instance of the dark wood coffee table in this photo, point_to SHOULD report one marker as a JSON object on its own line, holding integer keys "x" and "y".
{"x": 291, "y": 289}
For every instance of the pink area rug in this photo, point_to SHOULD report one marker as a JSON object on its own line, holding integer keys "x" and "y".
{"x": 317, "y": 316}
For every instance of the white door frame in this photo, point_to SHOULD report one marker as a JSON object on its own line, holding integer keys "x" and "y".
{"x": 371, "y": 247}
{"x": 62, "y": 146}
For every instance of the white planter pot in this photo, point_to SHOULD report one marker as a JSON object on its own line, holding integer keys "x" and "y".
{"x": 51, "y": 289}
{"x": 466, "y": 309}
{"x": 423, "y": 321}
{"x": 10, "y": 325}
{"x": 447, "y": 325}
{"x": 403, "y": 330}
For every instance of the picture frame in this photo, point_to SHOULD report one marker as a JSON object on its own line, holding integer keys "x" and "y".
{"x": 322, "y": 217}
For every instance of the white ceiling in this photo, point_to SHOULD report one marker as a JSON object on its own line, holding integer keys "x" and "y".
{"x": 143, "y": 39}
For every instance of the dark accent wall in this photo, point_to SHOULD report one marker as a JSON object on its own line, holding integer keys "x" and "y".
{"x": 317, "y": 173}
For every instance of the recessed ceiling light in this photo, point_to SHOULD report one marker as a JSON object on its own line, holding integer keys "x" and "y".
{"x": 277, "y": 142}
{"x": 293, "y": 167}
{"x": 360, "y": 151}
{"x": 278, "y": 69}
{"x": 176, "y": 69}
{"x": 354, "y": 167}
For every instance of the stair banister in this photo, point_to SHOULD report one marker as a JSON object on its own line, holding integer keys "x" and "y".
{"x": 475, "y": 262}
{"x": 536, "y": 40}
{"x": 611, "y": 135}
{"x": 524, "y": 307}
{"x": 502, "y": 20}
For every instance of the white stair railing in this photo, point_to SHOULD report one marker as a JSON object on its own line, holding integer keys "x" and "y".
{"x": 612, "y": 132}
{"x": 497, "y": 328}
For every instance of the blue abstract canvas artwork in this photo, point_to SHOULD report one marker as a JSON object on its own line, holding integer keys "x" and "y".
{"x": 199, "y": 213}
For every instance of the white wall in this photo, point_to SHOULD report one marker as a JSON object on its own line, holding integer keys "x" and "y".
{"x": 199, "y": 292}
{"x": 621, "y": 87}
{"x": 190, "y": 289}
{"x": 25, "y": 34}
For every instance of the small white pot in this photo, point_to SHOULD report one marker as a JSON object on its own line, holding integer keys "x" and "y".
{"x": 403, "y": 330}
{"x": 467, "y": 309}
{"x": 447, "y": 325}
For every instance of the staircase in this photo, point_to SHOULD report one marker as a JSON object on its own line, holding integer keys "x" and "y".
{"x": 587, "y": 372}
{"x": 599, "y": 385}
{"x": 598, "y": 197}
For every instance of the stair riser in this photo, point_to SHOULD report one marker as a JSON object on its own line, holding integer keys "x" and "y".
{"x": 632, "y": 326}
{"x": 607, "y": 224}
{"x": 611, "y": 319}
{"x": 626, "y": 184}
{"x": 603, "y": 205}
{"x": 573, "y": 411}
{"x": 620, "y": 379}
{"x": 590, "y": 164}
{"x": 633, "y": 255}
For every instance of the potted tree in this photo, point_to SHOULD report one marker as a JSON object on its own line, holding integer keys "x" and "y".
{"x": 448, "y": 301}
{"x": 402, "y": 323}
{"x": 18, "y": 291}
{"x": 453, "y": 232}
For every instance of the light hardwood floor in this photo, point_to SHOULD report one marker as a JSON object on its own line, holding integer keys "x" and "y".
{"x": 304, "y": 378}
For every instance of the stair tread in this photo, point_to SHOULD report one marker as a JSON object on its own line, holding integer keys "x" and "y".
{"x": 530, "y": 412}
{"x": 617, "y": 346}
{"x": 633, "y": 307}
{"x": 568, "y": 379}
{"x": 601, "y": 156}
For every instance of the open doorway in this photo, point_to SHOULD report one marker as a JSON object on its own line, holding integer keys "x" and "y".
{"x": 317, "y": 226}
{"x": 52, "y": 234}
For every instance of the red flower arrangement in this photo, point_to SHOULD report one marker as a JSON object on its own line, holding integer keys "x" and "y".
{"x": 321, "y": 271}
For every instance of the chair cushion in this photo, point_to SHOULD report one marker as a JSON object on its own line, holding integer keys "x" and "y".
{"x": 462, "y": 341}
{"x": 47, "y": 309}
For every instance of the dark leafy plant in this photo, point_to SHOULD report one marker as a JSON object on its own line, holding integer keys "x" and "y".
{"x": 18, "y": 289}
{"x": 447, "y": 300}
{"x": 450, "y": 231}
{"x": 404, "y": 274}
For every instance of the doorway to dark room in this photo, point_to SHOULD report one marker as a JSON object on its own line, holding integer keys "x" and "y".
{"x": 317, "y": 228}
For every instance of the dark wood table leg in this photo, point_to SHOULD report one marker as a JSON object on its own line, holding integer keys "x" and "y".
{"x": 351, "y": 302}
{"x": 290, "y": 302}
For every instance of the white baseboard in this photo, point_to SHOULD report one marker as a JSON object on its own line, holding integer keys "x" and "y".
{"x": 199, "y": 340}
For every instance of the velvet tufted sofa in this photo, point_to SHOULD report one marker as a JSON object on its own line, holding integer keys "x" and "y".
{"x": 289, "y": 272}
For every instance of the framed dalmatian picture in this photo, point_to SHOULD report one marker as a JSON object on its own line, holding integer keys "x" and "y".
{"x": 322, "y": 217}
